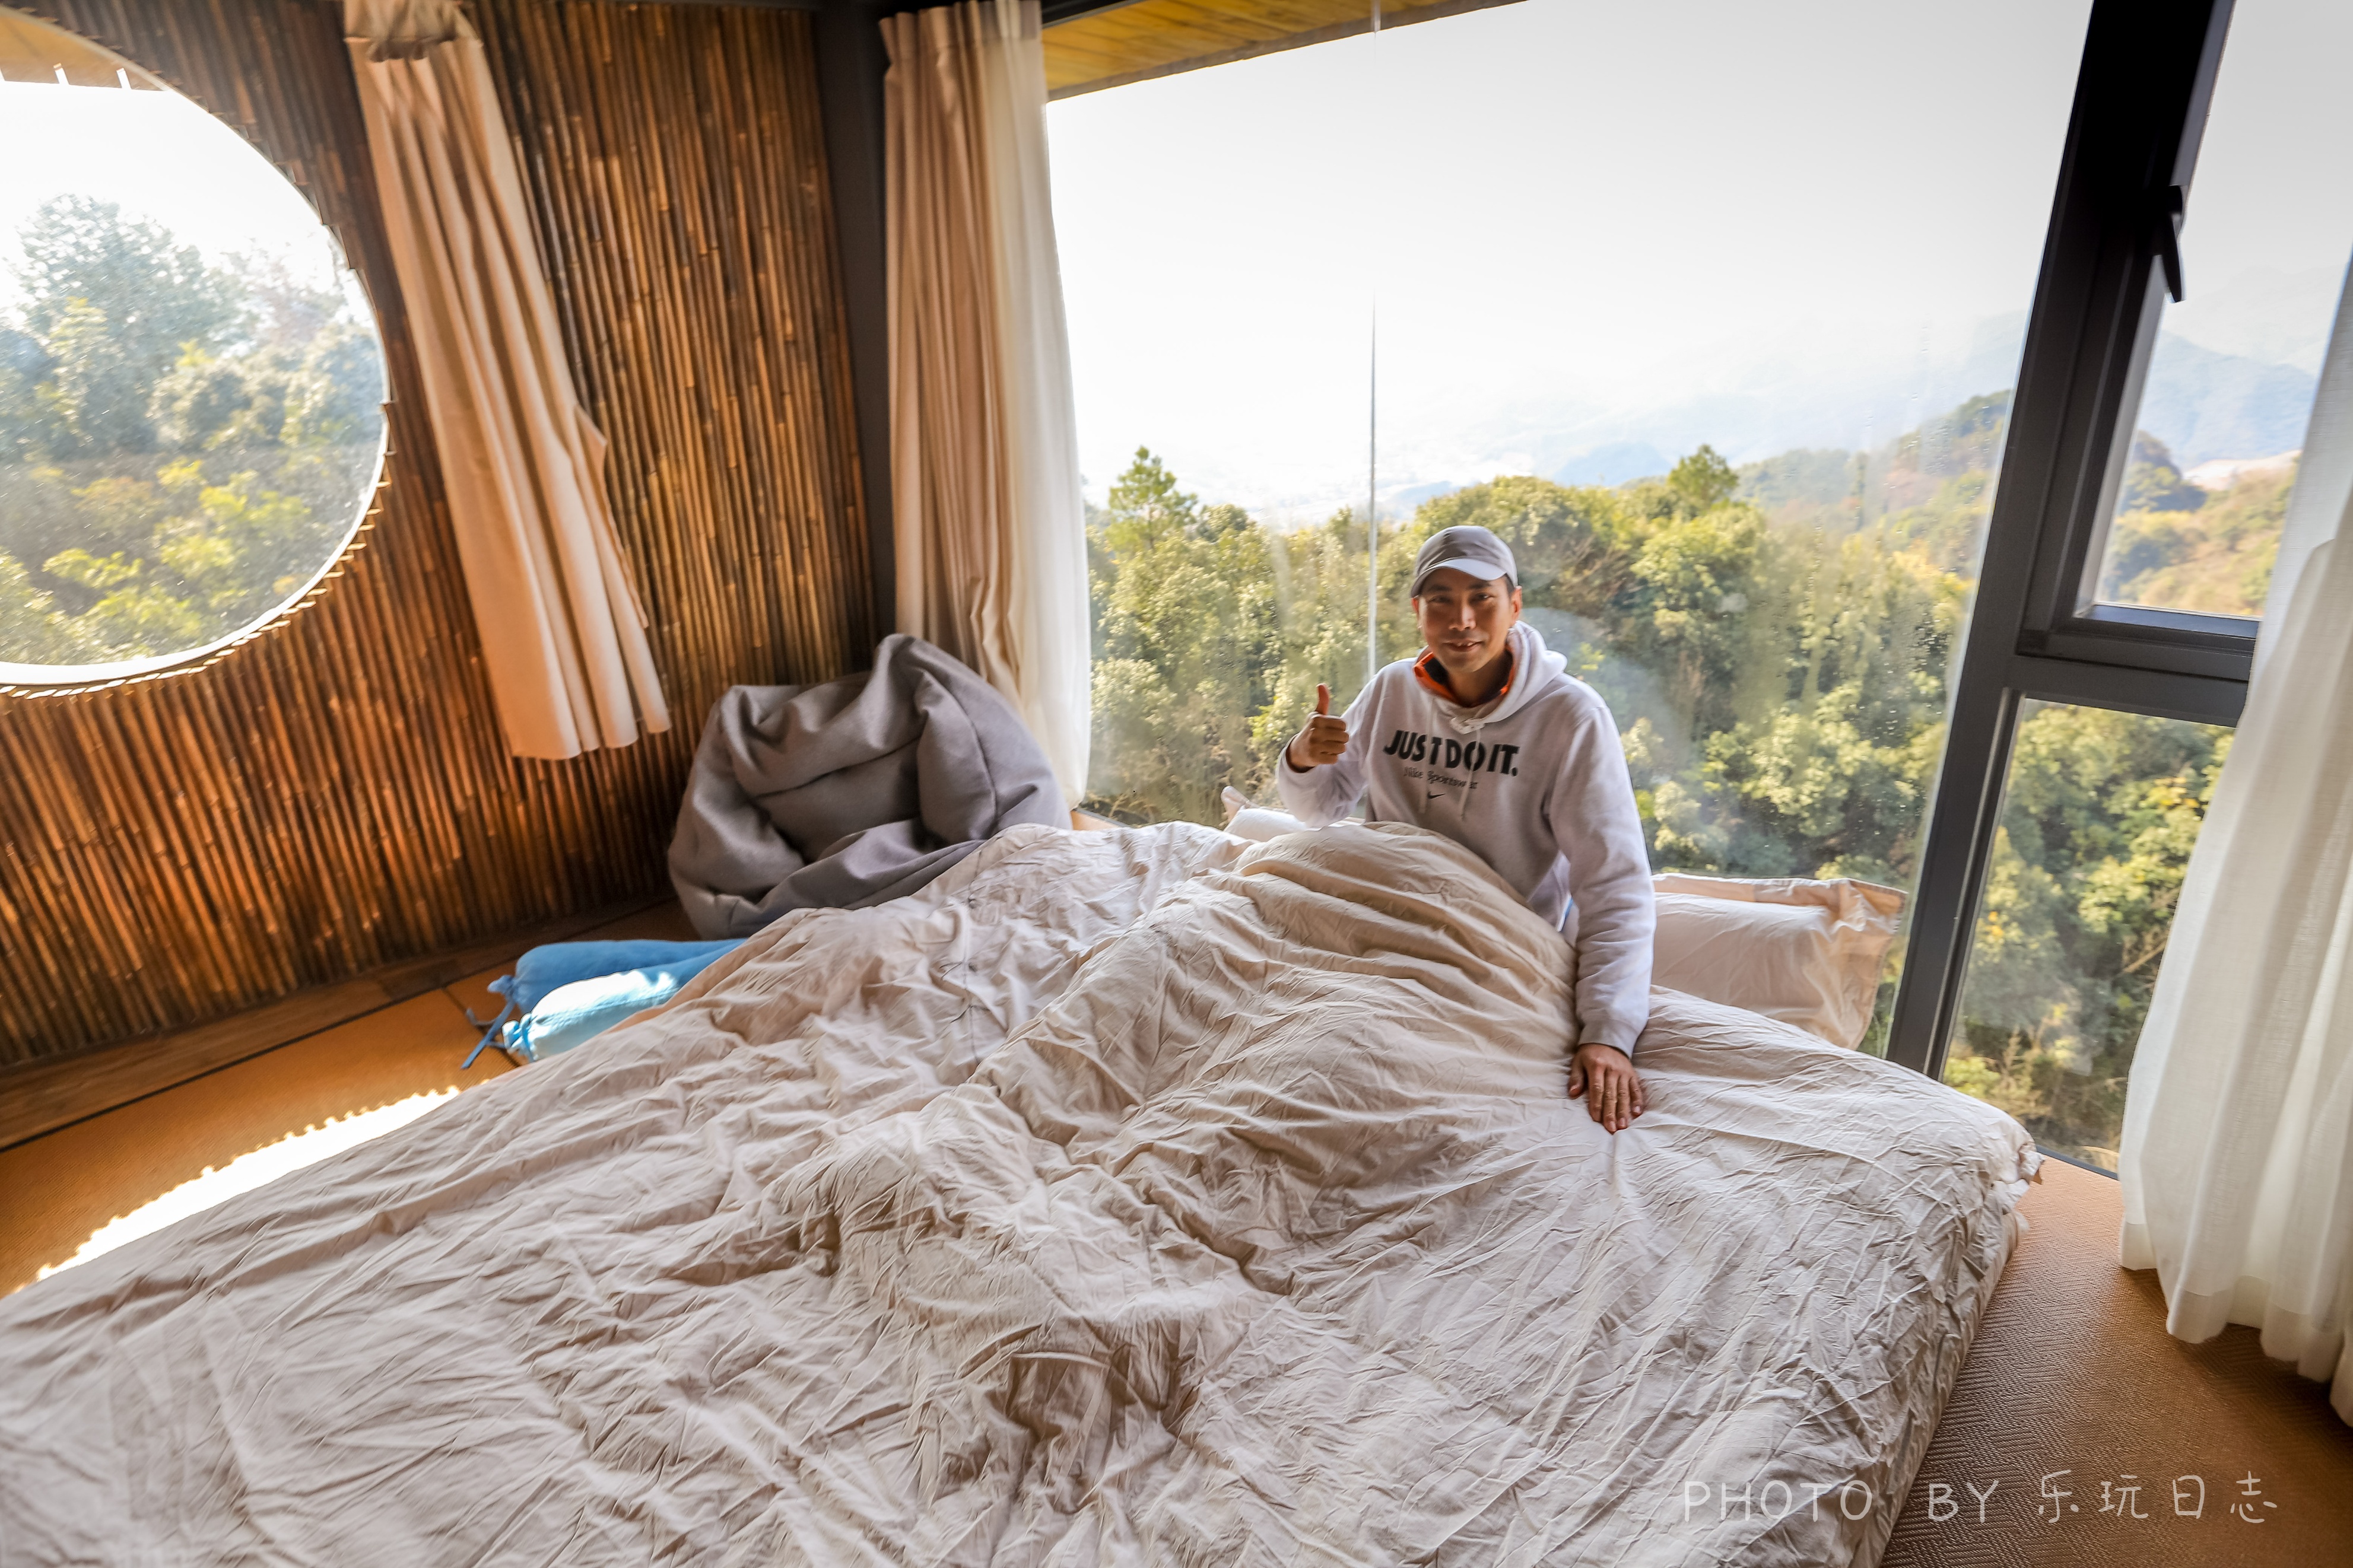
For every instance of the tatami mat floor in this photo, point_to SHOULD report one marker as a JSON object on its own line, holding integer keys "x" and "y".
{"x": 59, "y": 1188}
{"x": 2073, "y": 1386}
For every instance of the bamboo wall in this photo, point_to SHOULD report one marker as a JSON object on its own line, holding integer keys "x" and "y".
{"x": 334, "y": 794}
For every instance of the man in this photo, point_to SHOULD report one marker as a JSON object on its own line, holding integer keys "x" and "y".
{"x": 1486, "y": 738}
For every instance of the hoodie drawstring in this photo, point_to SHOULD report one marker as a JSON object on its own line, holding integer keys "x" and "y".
{"x": 1532, "y": 657}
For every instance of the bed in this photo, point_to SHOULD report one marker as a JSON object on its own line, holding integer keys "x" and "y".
{"x": 1138, "y": 1197}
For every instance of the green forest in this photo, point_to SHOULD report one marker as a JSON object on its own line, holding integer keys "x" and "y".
{"x": 2183, "y": 548}
{"x": 1774, "y": 640}
{"x": 183, "y": 444}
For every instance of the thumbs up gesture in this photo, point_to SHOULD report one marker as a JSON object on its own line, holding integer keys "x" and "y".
{"x": 1323, "y": 741}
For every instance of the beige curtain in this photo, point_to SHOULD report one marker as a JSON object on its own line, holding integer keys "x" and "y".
{"x": 563, "y": 632}
{"x": 986, "y": 516}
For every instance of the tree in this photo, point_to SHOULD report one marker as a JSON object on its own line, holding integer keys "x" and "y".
{"x": 2152, "y": 482}
{"x": 2102, "y": 813}
{"x": 2214, "y": 555}
{"x": 1704, "y": 480}
{"x": 1146, "y": 507}
{"x": 1778, "y": 677}
{"x": 178, "y": 453}
{"x": 1186, "y": 642}
{"x": 1321, "y": 601}
{"x": 114, "y": 302}
{"x": 1573, "y": 545}
{"x": 1830, "y": 776}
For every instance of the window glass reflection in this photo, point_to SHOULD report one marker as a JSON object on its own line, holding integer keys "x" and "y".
{"x": 2102, "y": 811}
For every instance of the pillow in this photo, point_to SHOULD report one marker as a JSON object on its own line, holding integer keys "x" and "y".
{"x": 1806, "y": 953}
{"x": 577, "y": 1013}
{"x": 562, "y": 993}
{"x": 1256, "y": 823}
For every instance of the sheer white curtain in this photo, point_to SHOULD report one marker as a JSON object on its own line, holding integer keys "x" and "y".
{"x": 563, "y": 634}
{"x": 987, "y": 517}
{"x": 2237, "y": 1185}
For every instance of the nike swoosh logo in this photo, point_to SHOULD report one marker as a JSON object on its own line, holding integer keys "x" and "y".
{"x": 1433, "y": 794}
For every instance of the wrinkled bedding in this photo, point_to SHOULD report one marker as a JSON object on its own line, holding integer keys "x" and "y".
{"x": 1122, "y": 1197}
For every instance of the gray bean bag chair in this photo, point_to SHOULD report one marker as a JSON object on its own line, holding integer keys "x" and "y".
{"x": 844, "y": 794}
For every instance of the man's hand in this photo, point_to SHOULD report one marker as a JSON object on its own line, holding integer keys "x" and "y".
{"x": 1603, "y": 1076}
{"x": 1323, "y": 739}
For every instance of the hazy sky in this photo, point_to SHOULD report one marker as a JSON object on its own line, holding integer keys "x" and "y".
{"x": 1587, "y": 225}
{"x": 157, "y": 155}
{"x": 1585, "y": 222}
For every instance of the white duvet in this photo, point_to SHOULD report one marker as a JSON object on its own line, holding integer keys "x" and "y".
{"x": 1124, "y": 1197}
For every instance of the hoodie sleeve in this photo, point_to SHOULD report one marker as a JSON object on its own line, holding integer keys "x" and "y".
{"x": 1591, "y": 811}
{"x": 1322, "y": 797}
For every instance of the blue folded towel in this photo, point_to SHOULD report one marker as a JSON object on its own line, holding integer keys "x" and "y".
{"x": 567, "y": 992}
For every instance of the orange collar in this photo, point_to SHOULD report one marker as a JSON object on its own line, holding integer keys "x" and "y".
{"x": 1432, "y": 677}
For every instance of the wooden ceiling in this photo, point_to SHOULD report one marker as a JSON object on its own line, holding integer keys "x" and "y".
{"x": 32, "y": 50}
{"x": 1120, "y": 43}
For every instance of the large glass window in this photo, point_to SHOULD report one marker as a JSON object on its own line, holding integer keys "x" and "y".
{"x": 1214, "y": 230}
{"x": 2100, "y": 813}
{"x": 2267, "y": 228}
{"x": 191, "y": 386}
{"x": 1713, "y": 312}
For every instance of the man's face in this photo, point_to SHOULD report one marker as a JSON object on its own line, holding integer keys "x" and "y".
{"x": 1465, "y": 620}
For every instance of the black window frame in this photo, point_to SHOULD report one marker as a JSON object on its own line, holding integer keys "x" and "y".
{"x": 2037, "y": 629}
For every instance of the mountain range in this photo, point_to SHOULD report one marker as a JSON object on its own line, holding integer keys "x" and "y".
{"x": 2233, "y": 376}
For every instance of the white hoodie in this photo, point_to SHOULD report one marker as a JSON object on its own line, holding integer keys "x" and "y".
{"x": 1536, "y": 785}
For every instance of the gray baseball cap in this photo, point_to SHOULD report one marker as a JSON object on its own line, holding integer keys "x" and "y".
{"x": 1466, "y": 548}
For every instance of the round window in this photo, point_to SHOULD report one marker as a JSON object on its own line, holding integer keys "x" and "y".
{"x": 191, "y": 383}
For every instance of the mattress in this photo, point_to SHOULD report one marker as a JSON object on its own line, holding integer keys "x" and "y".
{"x": 1123, "y": 1197}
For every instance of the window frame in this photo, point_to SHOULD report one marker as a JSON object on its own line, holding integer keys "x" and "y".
{"x": 37, "y": 681}
{"x": 2037, "y": 628}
